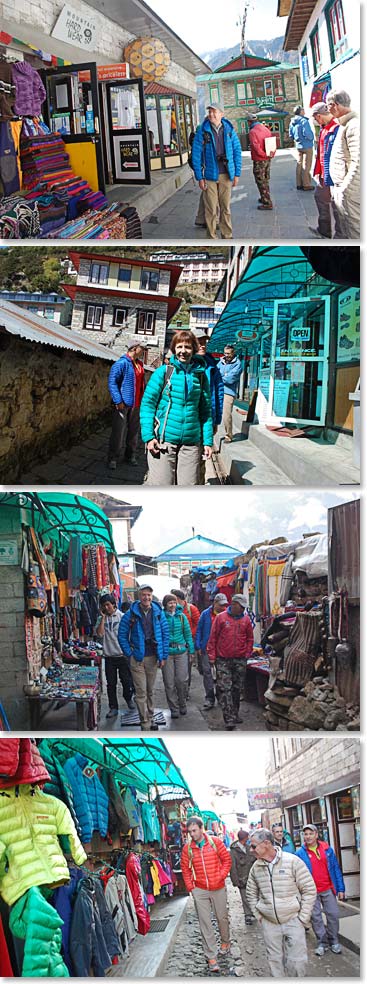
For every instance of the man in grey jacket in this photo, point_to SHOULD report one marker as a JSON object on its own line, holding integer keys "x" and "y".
{"x": 281, "y": 894}
{"x": 345, "y": 165}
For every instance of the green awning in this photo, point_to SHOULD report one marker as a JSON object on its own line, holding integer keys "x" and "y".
{"x": 59, "y": 515}
{"x": 272, "y": 272}
{"x": 140, "y": 762}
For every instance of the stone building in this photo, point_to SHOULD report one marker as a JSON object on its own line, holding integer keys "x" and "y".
{"x": 319, "y": 783}
{"x": 262, "y": 86}
{"x": 120, "y": 302}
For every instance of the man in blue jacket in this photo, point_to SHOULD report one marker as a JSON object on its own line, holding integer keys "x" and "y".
{"x": 144, "y": 638}
{"x": 201, "y": 639}
{"x": 230, "y": 369}
{"x": 323, "y": 865}
{"x": 214, "y": 378}
{"x": 282, "y": 838}
{"x": 126, "y": 386}
{"x": 217, "y": 162}
{"x": 301, "y": 132}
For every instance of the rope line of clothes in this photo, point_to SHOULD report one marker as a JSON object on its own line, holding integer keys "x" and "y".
{"x": 83, "y": 859}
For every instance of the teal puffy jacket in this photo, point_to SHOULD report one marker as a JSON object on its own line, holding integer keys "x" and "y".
{"x": 186, "y": 397}
{"x": 180, "y": 637}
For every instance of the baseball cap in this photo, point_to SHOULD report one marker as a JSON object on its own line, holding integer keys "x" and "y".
{"x": 310, "y": 826}
{"x": 145, "y": 587}
{"x": 241, "y": 600}
{"x": 222, "y": 598}
{"x": 251, "y": 117}
{"x": 319, "y": 107}
{"x": 215, "y": 105}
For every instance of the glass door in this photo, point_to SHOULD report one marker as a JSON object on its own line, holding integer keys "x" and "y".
{"x": 128, "y": 131}
{"x": 72, "y": 109}
{"x": 299, "y": 364}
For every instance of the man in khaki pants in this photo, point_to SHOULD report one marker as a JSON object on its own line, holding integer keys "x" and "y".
{"x": 217, "y": 162}
{"x": 205, "y": 864}
{"x": 281, "y": 894}
{"x": 143, "y": 637}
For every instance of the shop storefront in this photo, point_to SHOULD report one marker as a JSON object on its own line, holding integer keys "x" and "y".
{"x": 113, "y": 871}
{"x": 337, "y": 818}
{"x": 299, "y": 336}
{"x": 171, "y": 118}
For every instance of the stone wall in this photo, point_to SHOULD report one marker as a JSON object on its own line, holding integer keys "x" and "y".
{"x": 48, "y": 398}
{"x": 118, "y": 339}
{"x": 111, "y": 39}
{"x": 320, "y": 763}
{"x": 12, "y": 638}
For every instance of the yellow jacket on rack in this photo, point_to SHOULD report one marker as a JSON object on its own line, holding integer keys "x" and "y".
{"x": 30, "y": 853}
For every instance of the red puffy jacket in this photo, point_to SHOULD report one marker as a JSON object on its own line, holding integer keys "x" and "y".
{"x": 230, "y": 637}
{"x": 256, "y": 136}
{"x": 21, "y": 763}
{"x": 192, "y": 614}
{"x": 211, "y": 865}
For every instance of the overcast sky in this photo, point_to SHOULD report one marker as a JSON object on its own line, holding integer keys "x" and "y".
{"x": 235, "y": 761}
{"x": 233, "y": 516}
{"x": 203, "y": 28}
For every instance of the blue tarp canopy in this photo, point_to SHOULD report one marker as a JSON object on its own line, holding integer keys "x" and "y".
{"x": 199, "y": 548}
{"x": 272, "y": 272}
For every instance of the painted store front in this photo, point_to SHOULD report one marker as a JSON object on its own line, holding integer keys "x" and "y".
{"x": 299, "y": 336}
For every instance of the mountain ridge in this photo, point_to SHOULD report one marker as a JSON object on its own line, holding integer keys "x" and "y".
{"x": 272, "y": 49}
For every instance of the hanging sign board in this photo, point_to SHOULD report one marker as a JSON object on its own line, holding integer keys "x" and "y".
{"x": 264, "y": 799}
{"x": 107, "y": 73}
{"x": 9, "y": 552}
{"x": 300, "y": 334}
{"x": 76, "y": 28}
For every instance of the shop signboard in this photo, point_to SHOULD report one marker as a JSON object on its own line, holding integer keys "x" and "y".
{"x": 129, "y": 154}
{"x": 218, "y": 308}
{"x": 280, "y": 397}
{"x": 74, "y": 27}
{"x": 8, "y": 552}
{"x": 349, "y": 321}
{"x": 106, "y": 73}
{"x": 264, "y": 798}
{"x": 300, "y": 334}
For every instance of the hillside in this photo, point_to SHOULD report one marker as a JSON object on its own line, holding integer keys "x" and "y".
{"x": 38, "y": 267}
{"x": 262, "y": 49}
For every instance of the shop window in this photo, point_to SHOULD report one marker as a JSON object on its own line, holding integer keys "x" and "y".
{"x": 338, "y": 42}
{"x": 124, "y": 276}
{"x": 98, "y": 273}
{"x": 316, "y": 814}
{"x": 149, "y": 280}
{"x": 316, "y": 51}
{"x": 278, "y": 87}
{"x": 305, "y": 65}
{"x": 125, "y": 108}
{"x": 94, "y": 317}
{"x": 268, "y": 89}
{"x": 169, "y": 125}
{"x": 214, "y": 93}
{"x": 181, "y": 124}
{"x": 119, "y": 317}
{"x": 241, "y": 92}
{"x": 145, "y": 322}
{"x": 49, "y": 313}
{"x": 188, "y": 116}
{"x": 344, "y": 805}
{"x": 152, "y": 123}
{"x": 296, "y": 824}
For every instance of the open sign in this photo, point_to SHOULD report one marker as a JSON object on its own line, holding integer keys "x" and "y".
{"x": 300, "y": 334}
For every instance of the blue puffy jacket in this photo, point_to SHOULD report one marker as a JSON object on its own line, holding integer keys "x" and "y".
{"x": 204, "y": 628}
{"x": 204, "y": 157}
{"x": 301, "y": 132}
{"x": 216, "y": 388}
{"x": 332, "y": 865}
{"x": 121, "y": 381}
{"x": 230, "y": 373}
{"x": 131, "y": 634}
{"x": 90, "y": 800}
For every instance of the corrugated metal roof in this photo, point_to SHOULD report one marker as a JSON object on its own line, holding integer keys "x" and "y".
{"x": 24, "y": 324}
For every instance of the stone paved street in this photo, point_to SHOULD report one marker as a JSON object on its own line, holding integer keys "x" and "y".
{"x": 247, "y": 958}
{"x": 292, "y": 214}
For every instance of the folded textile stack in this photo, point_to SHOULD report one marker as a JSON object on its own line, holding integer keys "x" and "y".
{"x": 44, "y": 159}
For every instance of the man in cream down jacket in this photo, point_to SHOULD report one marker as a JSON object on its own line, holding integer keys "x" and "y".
{"x": 344, "y": 165}
{"x": 281, "y": 895}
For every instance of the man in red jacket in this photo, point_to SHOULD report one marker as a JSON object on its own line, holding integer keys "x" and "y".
{"x": 205, "y": 864}
{"x": 230, "y": 645}
{"x": 257, "y": 135}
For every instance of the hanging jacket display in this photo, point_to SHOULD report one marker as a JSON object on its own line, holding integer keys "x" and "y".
{"x": 63, "y": 901}
{"x": 133, "y": 875}
{"x": 91, "y": 937}
{"x": 21, "y": 763}
{"x": 34, "y": 920}
{"x": 120, "y": 903}
{"x": 30, "y": 853}
{"x": 30, "y": 92}
{"x": 90, "y": 800}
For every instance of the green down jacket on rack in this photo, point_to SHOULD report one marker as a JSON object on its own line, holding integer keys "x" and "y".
{"x": 59, "y": 784}
{"x": 30, "y": 853}
{"x": 32, "y": 919}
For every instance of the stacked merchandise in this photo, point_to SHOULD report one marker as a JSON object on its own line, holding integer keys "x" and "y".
{"x": 73, "y": 919}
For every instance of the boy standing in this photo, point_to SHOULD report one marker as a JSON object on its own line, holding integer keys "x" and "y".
{"x": 116, "y": 664}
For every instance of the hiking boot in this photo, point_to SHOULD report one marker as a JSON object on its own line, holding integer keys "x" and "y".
{"x": 230, "y": 727}
{"x": 321, "y": 950}
{"x": 112, "y": 464}
{"x": 112, "y": 713}
{"x": 264, "y": 208}
{"x": 299, "y": 187}
{"x": 214, "y": 966}
{"x": 175, "y": 714}
{"x": 209, "y": 703}
{"x": 131, "y": 704}
{"x": 227, "y": 439}
{"x": 133, "y": 460}
{"x": 239, "y": 720}
{"x": 224, "y": 948}
{"x": 336, "y": 948}
{"x": 183, "y": 710}
{"x": 154, "y": 727}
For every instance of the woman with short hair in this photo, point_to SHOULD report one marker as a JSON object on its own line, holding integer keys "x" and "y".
{"x": 181, "y": 648}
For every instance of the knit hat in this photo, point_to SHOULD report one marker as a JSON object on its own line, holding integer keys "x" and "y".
{"x": 222, "y": 598}
{"x": 241, "y": 600}
{"x": 310, "y": 826}
{"x": 319, "y": 107}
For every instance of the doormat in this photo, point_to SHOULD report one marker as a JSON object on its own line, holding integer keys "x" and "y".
{"x": 130, "y": 719}
{"x": 158, "y": 925}
{"x": 286, "y": 431}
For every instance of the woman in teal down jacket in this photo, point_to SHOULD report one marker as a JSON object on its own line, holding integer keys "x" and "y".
{"x": 176, "y": 416}
{"x": 181, "y": 648}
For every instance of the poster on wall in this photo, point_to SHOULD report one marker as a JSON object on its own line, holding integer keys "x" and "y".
{"x": 75, "y": 27}
{"x": 129, "y": 157}
{"x": 281, "y": 395}
{"x": 349, "y": 320}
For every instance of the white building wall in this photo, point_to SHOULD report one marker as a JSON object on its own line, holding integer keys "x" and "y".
{"x": 345, "y": 75}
